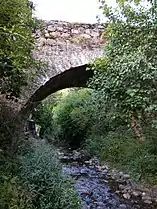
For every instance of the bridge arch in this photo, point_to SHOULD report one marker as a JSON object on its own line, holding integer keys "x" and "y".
{"x": 65, "y": 49}
{"x": 74, "y": 77}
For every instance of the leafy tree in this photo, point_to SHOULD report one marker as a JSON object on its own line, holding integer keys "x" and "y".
{"x": 43, "y": 116}
{"x": 127, "y": 74}
{"x": 71, "y": 117}
{"x": 16, "y": 44}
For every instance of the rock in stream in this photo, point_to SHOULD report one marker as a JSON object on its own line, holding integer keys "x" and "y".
{"x": 96, "y": 187}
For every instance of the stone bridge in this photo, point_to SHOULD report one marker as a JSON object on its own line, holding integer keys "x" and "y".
{"x": 65, "y": 50}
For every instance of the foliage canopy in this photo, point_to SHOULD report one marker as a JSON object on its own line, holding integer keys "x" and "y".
{"x": 16, "y": 44}
{"x": 128, "y": 73}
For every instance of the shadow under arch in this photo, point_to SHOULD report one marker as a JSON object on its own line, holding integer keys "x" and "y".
{"x": 74, "y": 77}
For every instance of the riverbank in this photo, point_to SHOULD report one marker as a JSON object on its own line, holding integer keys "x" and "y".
{"x": 100, "y": 186}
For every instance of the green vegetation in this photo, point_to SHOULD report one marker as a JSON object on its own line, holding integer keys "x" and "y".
{"x": 43, "y": 117}
{"x": 30, "y": 173}
{"x": 7, "y": 127}
{"x": 41, "y": 173}
{"x": 34, "y": 180}
{"x": 123, "y": 150}
{"x": 16, "y": 61}
{"x": 126, "y": 89}
{"x": 69, "y": 117}
{"x": 104, "y": 133}
{"x": 116, "y": 121}
{"x": 16, "y": 44}
{"x": 63, "y": 118}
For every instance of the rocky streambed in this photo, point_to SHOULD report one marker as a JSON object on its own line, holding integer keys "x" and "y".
{"x": 102, "y": 188}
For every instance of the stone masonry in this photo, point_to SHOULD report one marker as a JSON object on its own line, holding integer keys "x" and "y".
{"x": 62, "y": 46}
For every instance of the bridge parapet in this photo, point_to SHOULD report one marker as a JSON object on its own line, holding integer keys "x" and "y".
{"x": 86, "y": 35}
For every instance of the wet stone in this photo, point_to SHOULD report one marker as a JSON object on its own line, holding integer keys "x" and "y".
{"x": 146, "y": 198}
{"x": 83, "y": 171}
{"x": 126, "y": 196}
{"x": 136, "y": 194}
{"x": 122, "y": 206}
{"x": 94, "y": 186}
{"x": 148, "y": 201}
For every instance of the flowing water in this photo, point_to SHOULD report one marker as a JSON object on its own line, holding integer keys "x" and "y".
{"x": 93, "y": 184}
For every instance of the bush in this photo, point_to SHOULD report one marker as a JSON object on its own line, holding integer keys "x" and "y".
{"x": 9, "y": 126}
{"x": 93, "y": 144}
{"x": 142, "y": 162}
{"x": 71, "y": 119}
{"x": 33, "y": 180}
{"x": 12, "y": 193}
{"x": 16, "y": 44}
{"x": 43, "y": 116}
{"x": 123, "y": 150}
{"x": 42, "y": 176}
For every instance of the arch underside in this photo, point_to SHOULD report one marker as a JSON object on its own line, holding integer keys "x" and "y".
{"x": 74, "y": 77}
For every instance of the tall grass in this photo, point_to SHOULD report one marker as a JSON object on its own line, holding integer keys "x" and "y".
{"x": 34, "y": 180}
{"x": 41, "y": 173}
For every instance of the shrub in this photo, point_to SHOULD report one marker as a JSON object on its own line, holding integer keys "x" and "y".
{"x": 123, "y": 150}
{"x": 70, "y": 116}
{"x": 43, "y": 117}
{"x": 41, "y": 174}
{"x": 16, "y": 44}
{"x": 12, "y": 193}
{"x": 8, "y": 126}
{"x": 93, "y": 144}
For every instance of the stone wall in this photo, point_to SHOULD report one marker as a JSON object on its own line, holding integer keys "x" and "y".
{"x": 88, "y": 35}
{"x": 62, "y": 46}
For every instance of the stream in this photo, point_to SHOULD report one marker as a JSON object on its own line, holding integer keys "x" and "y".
{"x": 95, "y": 186}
